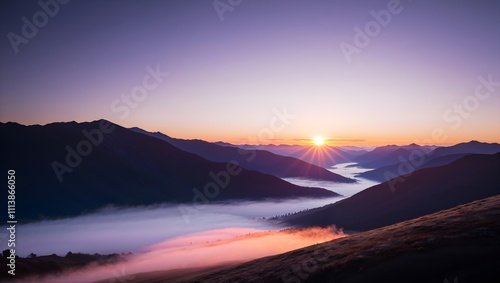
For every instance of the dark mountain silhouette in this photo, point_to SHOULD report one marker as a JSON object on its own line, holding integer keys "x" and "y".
{"x": 437, "y": 157}
{"x": 324, "y": 156}
{"x": 385, "y": 173}
{"x": 376, "y": 153}
{"x": 467, "y": 147}
{"x": 460, "y": 244}
{"x": 425, "y": 191}
{"x": 125, "y": 168}
{"x": 390, "y": 158}
{"x": 387, "y": 155}
{"x": 353, "y": 150}
{"x": 258, "y": 160}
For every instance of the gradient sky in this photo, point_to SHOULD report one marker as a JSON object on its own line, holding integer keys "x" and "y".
{"x": 226, "y": 77}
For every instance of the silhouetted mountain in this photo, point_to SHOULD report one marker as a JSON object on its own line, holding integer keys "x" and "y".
{"x": 460, "y": 244}
{"x": 425, "y": 191}
{"x": 387, "y": 159}
{"x": 375, "y": 154}
{"x": 387, "y": 155}
{"x": 121, "y": 167}
{"x": 420, "y": 159}
{"x": 353, "y": 150}
{"x": 385, "y": 173}
{"x": 467, "y": 147}
{"x": 324, "y": 156}
{"x": 258, "y": 160}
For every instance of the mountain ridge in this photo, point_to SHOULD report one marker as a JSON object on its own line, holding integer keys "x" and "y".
{"x": 436, "y": 157}
{"x": 258, "y": 160}
{"x": 424, "y": 191}
{"x": 125, "y": 168}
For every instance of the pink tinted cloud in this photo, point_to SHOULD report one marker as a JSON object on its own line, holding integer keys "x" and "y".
{"x": 204, "y": 249}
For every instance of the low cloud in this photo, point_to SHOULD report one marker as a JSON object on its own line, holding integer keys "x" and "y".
{"x": 130, "y": 230}
{"x": 203, "y": 249}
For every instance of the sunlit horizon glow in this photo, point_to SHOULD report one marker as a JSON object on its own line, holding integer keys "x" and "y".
{"x": 319, "y": 141}
{"x": 382, "y": 141}
{"x": 228, "y": 78}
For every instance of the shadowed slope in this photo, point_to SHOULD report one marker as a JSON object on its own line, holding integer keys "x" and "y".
{"x": 425, "y": 191}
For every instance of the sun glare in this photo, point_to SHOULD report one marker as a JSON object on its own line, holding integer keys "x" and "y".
{"x": 319, "y": 141}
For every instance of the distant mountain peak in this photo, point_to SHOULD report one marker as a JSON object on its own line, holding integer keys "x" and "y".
{"x": 413, "y": 144}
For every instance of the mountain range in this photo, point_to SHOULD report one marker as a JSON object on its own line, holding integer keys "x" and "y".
{"x": 389, "y": 154}
{"x": 258, "y": 160}
{"x": 420, "y": 158}
{"x": 324, "y": 156}
{"x": 424, "y": 191}
{"x": 440, "y": 214}
{"x": 65, "y": 169}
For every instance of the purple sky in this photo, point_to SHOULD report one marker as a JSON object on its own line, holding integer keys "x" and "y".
{"x": 227, "y": 77}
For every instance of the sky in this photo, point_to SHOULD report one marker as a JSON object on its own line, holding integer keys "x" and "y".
{"x": 355, "y": 72}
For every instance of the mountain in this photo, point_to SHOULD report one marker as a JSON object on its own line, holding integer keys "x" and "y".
{"x": 354, "y": 150}
{"x": 64, "y": 169}
{"x": 388, "y": 172}
{"x": 387, "y": 155}
{"x": 258, "y": 160}
{"x": 424, "y": 191}
{"x": 460, "y": 244}
{"x": 437, "y": 157}
{"x": 467, "y": 147}
{"x": 324, "y": 156}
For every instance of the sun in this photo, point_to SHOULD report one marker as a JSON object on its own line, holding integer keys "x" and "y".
{"x": 319, "y": 141}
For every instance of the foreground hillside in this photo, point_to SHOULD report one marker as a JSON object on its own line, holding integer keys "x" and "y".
{"x": 460, "y": 244}
{"x": 65, "y": 169}
{"x": 424, "y": 191}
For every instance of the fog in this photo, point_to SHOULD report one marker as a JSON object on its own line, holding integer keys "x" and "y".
{"x": 201, "y": 250}
{"x": 171, "y": 236}
{"x": 344, "y": 169}
{"x": 119, "y": 230}
{"x": 114, "y": 230}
